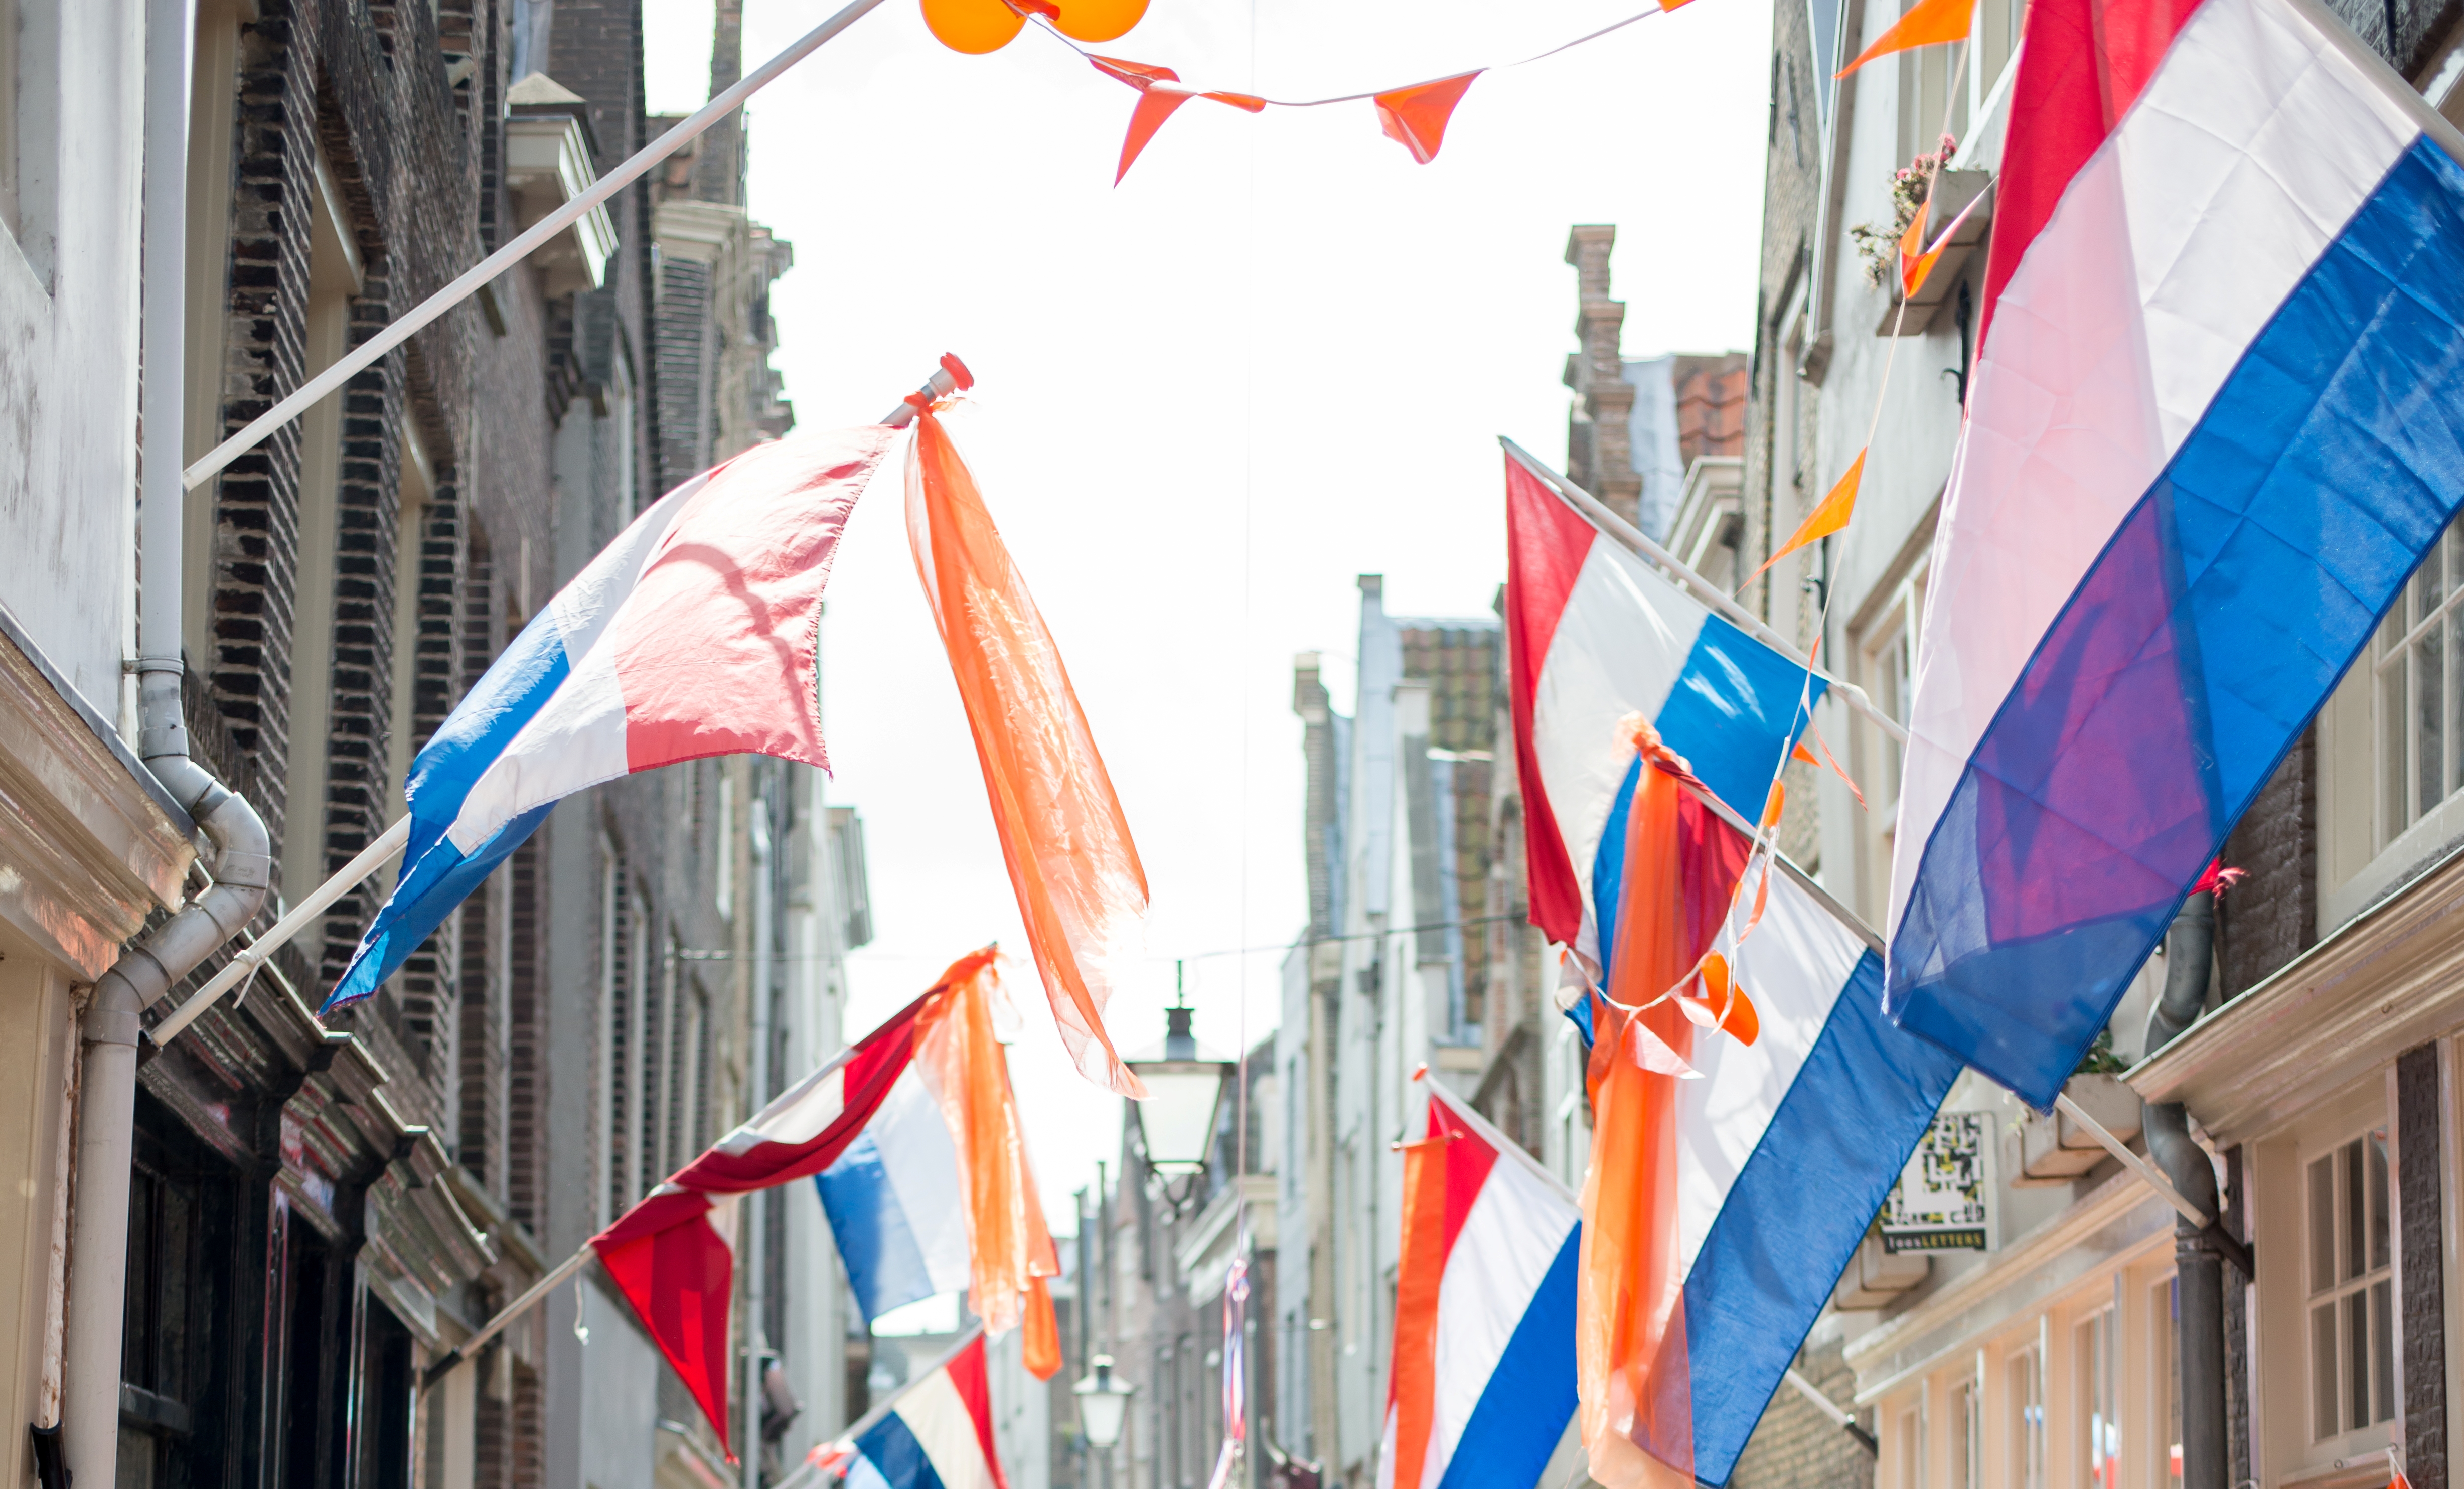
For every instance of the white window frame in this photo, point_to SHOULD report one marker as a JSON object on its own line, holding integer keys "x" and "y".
{"x": 2336, "y": 1282}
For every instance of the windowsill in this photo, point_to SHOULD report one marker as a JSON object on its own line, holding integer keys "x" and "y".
{"x": 2360, "y": 1465}
{"x": 2413, "y": 852}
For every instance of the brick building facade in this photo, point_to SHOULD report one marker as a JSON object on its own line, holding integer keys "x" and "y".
{"x": 320, "y": 1209}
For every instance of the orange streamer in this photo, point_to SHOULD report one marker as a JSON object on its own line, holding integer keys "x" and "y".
{"x": 1925, "y": 24}
{"x": 1412, "y": 1385}
{"x": 1415, "y": 117}
{"x": 1081, "y": 888}
{"x": 968, "y": 1072}
{"x": 1826, "y": 518}
{"x": 1635, "y": 1384}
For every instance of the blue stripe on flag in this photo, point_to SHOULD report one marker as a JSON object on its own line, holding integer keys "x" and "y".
{"x": 894, "y": 1456}
{"x": 885, "y": 1263}
{"x": 1796, "y": 1211}
{"x": 515, "y": 687}
{"x": 1732, "y": 714}
{"x": 1519, "y": 1419}
{"x": 441, "y": 880}
{"x": 435, "y": 876}
{"x": 2199, "y": 647}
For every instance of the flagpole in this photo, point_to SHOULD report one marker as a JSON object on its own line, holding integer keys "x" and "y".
{"x": 949, "y": 377}
{"x": 1596, "y": 512}
{"x": 488, "y": 269}
{"x": 375, "y": 856}
{"x": 573, "y": 1263}
{"x": 445, "y": 1362}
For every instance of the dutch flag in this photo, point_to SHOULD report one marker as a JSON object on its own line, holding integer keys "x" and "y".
{"x": 692, "y": 634}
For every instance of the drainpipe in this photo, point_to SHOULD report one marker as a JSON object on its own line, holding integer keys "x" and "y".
{"x": 757, "y": 1236}
{"x": 106, "y": 1117}
{"x": 2199, "y": 1264}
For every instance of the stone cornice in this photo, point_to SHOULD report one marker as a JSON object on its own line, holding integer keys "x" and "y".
{"x": 92, "y": 841}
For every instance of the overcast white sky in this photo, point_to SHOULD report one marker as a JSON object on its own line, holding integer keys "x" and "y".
{"x": 1276, "y": 358}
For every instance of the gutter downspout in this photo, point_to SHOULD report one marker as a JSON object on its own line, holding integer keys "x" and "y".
{"x": 107, "y": 1121}
{"x": 756, "y": 1206}
{"x": 2199, "y": 1262}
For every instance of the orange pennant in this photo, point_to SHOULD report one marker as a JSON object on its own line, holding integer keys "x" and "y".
{"x": 1915, "y": 263}
{"x": 1160, "y": 97}
{"x": 1801, "y": 753}
{"x": 1924, "y": 23}
{"x": 1415, "y": 117}
{"x": 1826, "y": 518}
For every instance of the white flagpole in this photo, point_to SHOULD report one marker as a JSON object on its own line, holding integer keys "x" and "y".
{"x": 376, "y": 855}
{"x": 437, "y": 304}
{"x": 1632, "y": 538}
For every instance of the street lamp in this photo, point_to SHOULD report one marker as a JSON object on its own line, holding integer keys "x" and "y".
{"x": 1184, "y": 1088}
{"x": 1102, "y": 1402}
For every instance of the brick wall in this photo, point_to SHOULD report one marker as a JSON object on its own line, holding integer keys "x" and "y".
{"x": 2272, "y": 916}
{"x": 1796, "y": 1447}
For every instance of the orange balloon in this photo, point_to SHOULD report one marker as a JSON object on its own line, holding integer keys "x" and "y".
{"x": 1099, "y": 20}
{"x": 972, "y": 26}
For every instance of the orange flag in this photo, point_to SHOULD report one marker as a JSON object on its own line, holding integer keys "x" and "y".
{"x": 1415, "y": 117}
{"x": 1924, "y": 23}
{"x": 1828, "y": 517}
{"x": 968, "y": 1073}
{"x": 1081, "y": 889}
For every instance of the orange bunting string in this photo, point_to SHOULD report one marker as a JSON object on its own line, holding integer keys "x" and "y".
{"x": 1415, "y": 117}
{"x": 1801, "y": 753}
{"x": 1925, "y": 24}
{"x": 1828, "y": 517}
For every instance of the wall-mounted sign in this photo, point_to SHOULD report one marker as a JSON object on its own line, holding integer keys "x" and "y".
{"x": 1945, "y": 1199}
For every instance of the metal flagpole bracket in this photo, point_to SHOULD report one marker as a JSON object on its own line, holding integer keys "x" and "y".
{"x": 2234, "y": 1249}
{"x": 1631, "y": 537}
{"x": 1839, "y": 1414}
{"x": 445, "y": 1364}
{"x": 375, "y": 856}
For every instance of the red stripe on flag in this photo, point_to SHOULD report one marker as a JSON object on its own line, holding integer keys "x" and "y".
{"x": 880, "y": 1058}
{"x": 679, "y": 1273}
{"x": 2084, "y": 64}
{"x": 973, "y": 1386}
{"x": 1468, "y": 1160}
{"x": 1545, "y": 544}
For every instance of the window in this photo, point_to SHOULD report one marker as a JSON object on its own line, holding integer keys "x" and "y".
{"x": 418, "y": 486}
{"x": 2419, "y": 658}
{"x": 2164, "y": 1360}
{"x": 2100, "y": 1425}
{"x": 2026, "y": 1440}
{"x": 1997, "y": 37}
{"x": 1890, "y": 669}
{"x": 334, "y": 279}
{"x": 2352, "y": 1353}
{"x": 1927, "y": 107}
{"x": 1966, "y": 1435}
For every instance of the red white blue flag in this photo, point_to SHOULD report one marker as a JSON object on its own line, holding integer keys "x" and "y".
{"x": 2216, "y": 420}
{"x": 691, "y": 634}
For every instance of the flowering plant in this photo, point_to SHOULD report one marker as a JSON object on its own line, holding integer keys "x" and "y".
{"x": 1880, "y": 246}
